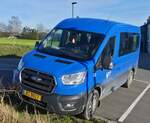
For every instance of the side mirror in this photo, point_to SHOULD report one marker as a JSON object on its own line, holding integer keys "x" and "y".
{"x": 107, "y": 63}
{"x": 37, "y": 44}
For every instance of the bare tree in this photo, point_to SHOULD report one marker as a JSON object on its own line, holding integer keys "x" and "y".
{"x": 14, "y": 25}
{"x": 3, "y": 27}
{"x": 40, "y": 28}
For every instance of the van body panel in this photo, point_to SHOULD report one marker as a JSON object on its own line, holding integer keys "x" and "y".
{"x": 85, "y": 24}
{"x": 110, "y": 80}
{"x": 104, "y": 77}
{"x": 52, "y": 67}
{"x": 73, "y": 98}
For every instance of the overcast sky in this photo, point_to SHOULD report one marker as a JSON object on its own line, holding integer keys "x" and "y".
{"x": 50, "y": 12}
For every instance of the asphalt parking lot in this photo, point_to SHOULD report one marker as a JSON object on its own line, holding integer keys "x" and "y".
{"x": 125, "y": 105}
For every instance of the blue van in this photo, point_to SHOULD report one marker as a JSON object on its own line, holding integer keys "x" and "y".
{"x": 77, "y": 64}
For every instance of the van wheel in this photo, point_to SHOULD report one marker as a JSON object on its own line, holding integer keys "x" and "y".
{"x": 91, "y": 105}
{"x": 129, "y": 80}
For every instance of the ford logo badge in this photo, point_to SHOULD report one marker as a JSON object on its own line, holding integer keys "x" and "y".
{"x": 35, "y": 78}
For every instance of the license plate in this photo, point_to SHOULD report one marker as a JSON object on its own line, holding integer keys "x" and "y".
{"x": 32, "y": 95}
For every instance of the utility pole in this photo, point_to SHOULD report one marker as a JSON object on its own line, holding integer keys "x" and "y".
{"x": 73, "y": 3}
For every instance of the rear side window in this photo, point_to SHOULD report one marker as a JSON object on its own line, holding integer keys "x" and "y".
{"x": 128, "y": 43}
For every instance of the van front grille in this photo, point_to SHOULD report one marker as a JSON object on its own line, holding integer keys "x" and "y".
{"x": 37, "y": 80}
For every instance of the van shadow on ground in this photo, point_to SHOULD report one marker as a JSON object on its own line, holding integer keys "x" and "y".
{"x": 144, "y": 61}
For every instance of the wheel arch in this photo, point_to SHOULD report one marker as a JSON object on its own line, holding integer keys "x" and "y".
{"x": 99, "y": 89}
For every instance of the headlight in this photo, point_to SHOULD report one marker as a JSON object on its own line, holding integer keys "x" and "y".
{"x": 20, "y": 65}
{"x": 74, "y": 79}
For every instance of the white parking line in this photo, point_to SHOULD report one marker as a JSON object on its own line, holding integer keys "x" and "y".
{"x": 128, "y": 111}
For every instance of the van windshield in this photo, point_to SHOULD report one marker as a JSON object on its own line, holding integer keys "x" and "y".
{"x": 71, "y": 44}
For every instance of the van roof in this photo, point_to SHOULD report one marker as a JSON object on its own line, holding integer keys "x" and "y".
{"x": 90, "y": 24}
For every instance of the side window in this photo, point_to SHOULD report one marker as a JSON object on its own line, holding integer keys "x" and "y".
{"x": 128, "y": 43}
{"x": 53, "y": 40}
{"x": 56, "y": 38}
{"x": 108, "y": 52}
{"x": 135, "y": 42}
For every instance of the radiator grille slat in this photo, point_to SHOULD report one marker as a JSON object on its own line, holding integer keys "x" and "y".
{"x": 37, "y": 80}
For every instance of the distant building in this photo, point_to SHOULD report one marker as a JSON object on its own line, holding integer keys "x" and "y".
{"x": 145, "y": 30}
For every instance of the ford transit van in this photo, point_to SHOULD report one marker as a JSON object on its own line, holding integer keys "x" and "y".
{"x": 77, "y": 64}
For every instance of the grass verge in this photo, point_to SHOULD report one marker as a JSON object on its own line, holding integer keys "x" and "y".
{"x": 10, "y": 114}
{"x": 22, "y": 42}
{"x": 13, "y": 50}
{"x": 15, "y": 47}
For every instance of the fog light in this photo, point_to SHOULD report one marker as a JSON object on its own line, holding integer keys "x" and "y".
{"x": 69, "y": 105}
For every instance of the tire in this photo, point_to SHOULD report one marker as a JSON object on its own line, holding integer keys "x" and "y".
{"x": 92, "y": 103}
{"x": 129, "y": 80}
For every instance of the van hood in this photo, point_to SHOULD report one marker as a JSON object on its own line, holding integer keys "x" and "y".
{"x": 51, "y": 64}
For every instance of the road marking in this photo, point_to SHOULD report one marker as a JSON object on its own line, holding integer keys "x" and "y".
{"x": 142, "y": 81}
{"x": 128, "y": 111}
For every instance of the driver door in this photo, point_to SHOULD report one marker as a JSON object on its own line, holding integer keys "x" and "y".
{"x": 106, "y": 70}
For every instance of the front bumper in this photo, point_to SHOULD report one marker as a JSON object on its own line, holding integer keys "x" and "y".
{"x": 56, "y": 103}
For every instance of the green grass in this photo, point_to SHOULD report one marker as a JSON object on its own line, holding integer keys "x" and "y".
{"x": 13, "y": 50}
{"x": 15, "y": 47}
{"x": 22, "y": 42}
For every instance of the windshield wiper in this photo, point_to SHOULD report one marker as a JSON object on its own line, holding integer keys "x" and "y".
{"x": 60, "y": 53}
{"x": 70, "y": 54}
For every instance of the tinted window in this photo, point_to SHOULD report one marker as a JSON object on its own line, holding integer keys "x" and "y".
{"x": 109, "y": 48}
{"x": 108, "y": 51}
{"x": 72, "y": 44}
{"x": 128, "y": 43}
